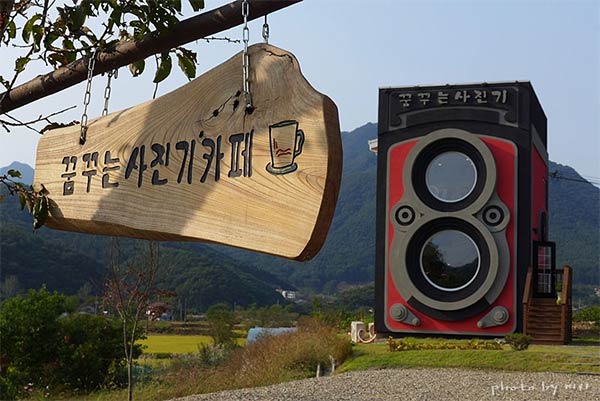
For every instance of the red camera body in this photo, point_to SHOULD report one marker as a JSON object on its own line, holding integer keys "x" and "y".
{"x": 462, "y": 195}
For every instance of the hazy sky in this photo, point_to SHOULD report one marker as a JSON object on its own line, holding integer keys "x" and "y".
{"x": 347, "y": 49}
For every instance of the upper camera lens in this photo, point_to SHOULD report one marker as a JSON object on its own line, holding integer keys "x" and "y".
{"x": 451, "y": 176}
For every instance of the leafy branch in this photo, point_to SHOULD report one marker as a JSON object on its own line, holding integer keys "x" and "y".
{"x": 34, "y": 198}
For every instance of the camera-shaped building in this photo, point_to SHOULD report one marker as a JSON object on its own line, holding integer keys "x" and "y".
{"x": 462, "y": 197}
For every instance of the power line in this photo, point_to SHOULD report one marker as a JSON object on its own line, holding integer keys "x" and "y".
{"x": 557, "y": 176}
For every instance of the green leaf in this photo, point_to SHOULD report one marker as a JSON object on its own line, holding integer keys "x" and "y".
{"x": 197, "y": 4}
{"x": 68, "y": 44}
{"x": 29, "y": 205}
{"x": 4, "y": 82}
{"x": 38, "y": 33}
{"x": 164, "y": 69}
{"x": 137, "y": 68}
{"x": 71, "y": 55}
{"x": 20, "y": 63}
{"x": 27, "y": 29}
{"x": 12, "y": 29}
{"x": 40, "y": 214}
{"x": 50, "y": 38}
{"x": 77, "y": 18}
{"x": 57, "y": 58}
{"x": 14, "y": 173}
{"x": 22, "y": 200}
{"x": 187, "y": 65}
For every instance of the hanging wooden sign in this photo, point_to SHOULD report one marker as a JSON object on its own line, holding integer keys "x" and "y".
{"x": 194, "y": 165}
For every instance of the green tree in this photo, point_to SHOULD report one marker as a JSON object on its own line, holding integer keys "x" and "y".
{"x": 221, "y": 321}
{"x": 45, "y": 346}
{"x": 30, "y": 336}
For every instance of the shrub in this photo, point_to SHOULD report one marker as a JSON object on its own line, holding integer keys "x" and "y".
{"x": 221, "y": 321}
{"x": 518, "y": 341}
{"x": 91, "y": 353}
{"x": 43, "y": 346}
{"x": 409, "y": 344}
{"x": 270, "y": 360}
{"x": 30, "y": 338}
{"x": 589, "y": 314}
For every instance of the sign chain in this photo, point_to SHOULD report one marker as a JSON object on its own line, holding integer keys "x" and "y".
{"x": 265, "y": 31}
{"x": 114, "y": 73}
{"x": 87, "y": 96}
{"x": 246, "y": 58}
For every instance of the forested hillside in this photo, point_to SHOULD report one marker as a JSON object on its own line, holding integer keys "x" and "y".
{"x": 212, "y": 273}
{"x": 66, "y": 261}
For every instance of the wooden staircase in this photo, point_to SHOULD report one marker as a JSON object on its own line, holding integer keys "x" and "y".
{"x": 548, "y": 320}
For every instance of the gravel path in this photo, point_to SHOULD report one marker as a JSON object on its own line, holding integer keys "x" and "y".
{"x": 423, "y": 385}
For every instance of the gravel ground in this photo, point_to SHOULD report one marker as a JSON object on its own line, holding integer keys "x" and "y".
{"x": 423, "y": 385}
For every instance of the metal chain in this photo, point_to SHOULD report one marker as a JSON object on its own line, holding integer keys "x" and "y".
{"x": 114, "y": 73}
{"x": 87, "y": 96}
{"x": 246, "y": 58}
{"x": 265, "y": 32}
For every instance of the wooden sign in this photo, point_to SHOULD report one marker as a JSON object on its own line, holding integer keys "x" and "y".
{"x": 194, "y": 165}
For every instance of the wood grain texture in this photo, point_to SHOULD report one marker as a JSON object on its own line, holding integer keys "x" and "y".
{"x": 274, "y": 206}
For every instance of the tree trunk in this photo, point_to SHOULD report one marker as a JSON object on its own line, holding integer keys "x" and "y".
{"x": 129, "y": 379}
{"x": 127, "y": 52}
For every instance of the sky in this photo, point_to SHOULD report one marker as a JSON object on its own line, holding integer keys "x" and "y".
{"x": 348, "y": 49}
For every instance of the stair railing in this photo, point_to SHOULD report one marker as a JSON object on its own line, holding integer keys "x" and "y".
{"x": 527, "y": 297}
{"x": 566, "y": 305}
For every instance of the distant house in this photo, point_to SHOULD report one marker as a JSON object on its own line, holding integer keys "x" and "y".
{"x": 159, "y": 311}
{"x": 288, "y": 294}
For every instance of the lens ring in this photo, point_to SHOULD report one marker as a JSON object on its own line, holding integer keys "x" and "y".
{"x": 413, "y": 255}
{"x": 405, "y": 215}
{"x": 425, "y": 174}
{"x": 493, "y": 215}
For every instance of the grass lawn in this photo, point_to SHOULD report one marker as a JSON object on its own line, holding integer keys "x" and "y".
{"x": 540, "y": 358}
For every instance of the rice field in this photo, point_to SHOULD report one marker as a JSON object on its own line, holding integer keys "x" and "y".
{"x": 176, "y": 344}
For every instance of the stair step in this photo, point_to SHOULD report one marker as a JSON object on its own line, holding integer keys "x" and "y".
{"x": 538, "y": 329}
{"x": 545, "y": 308}
{"x": 545, "y": 315}
{"x": 543, "y": 301}
{"x": 541, "y": 320}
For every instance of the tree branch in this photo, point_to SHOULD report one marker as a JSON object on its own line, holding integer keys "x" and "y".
{"x": 127, "y": 52}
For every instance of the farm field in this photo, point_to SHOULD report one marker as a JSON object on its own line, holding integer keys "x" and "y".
{"x": 177, "y": 344}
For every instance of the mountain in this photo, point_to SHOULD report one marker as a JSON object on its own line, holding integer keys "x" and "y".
{"x": 211, "y": 273}
{"x": 349, "y": 252}
{"x": 25, "y": 170}
{"x": 66, "y": 261}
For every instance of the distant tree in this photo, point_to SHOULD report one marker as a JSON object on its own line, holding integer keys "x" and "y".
{"x": 9, "y": 287}
{"x": 84, "y": 292}
{"x": 221, "y": 321}
{"x": 128, "y": 292}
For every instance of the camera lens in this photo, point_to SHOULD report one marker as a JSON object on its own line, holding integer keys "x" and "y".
{"x": 450, "y": 260}
{"x": 451, "y": 176}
